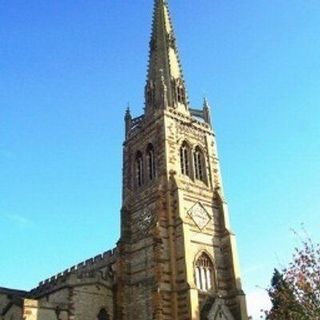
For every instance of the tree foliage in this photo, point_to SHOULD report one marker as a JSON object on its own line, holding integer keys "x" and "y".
{"x": 295, "y": 290}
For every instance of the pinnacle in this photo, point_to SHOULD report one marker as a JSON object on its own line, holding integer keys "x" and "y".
{"x": 206, "y": 103}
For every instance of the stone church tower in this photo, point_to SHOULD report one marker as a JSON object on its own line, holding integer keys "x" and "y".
{"x": 177, "y": 255}
{"x": 176, "y": 258}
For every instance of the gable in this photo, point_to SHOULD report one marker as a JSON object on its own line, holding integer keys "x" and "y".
{"x": 219, "y": 311}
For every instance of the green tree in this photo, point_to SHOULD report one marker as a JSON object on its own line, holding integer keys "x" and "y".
{"x": 295, "y": 291}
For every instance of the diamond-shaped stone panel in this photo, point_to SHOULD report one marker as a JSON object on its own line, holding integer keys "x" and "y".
{"x": 145, "y": 219}
{"x": 199, "y": 215}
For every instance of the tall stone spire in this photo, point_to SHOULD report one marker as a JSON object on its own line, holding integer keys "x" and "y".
{"x": 165, "y": 85}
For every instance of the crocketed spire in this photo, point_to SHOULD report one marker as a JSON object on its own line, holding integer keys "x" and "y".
{"x": 165, "y": 85}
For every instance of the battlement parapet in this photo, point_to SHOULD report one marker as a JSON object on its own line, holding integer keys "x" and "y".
{"x": 88, "y": 268}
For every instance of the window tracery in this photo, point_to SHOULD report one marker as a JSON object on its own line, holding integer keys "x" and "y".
{"x": 204, "y": 273}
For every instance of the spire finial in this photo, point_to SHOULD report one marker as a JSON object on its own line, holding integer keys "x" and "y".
{"x": 128, "y": 109}
{"x": 127, "y": 120}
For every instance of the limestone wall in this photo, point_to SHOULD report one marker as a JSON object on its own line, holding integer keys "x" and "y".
{"x": 88, "y": 300}
{"x": 41, "y": 310}
{"x": 4, "y": 300}
{"x": 14, "y": 313}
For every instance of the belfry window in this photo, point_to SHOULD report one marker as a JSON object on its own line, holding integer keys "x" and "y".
{"x": 103, "y": 315}
{"x": 139, "y": 169}
{"x": 204, "y": 273}
{"x": 198, "y": 161}
{"x": 184, "y": 159}
{"x": 151, "y": 162}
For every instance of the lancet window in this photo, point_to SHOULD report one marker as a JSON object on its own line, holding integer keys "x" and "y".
{"x": 150, "y": 94}
{"x": 180, "y": 92}
{"x": 204, "y": 273}
{"x": 184, "y": 159}
{"x": 103, "y": 315}
{"x": 198, "y": 160}
{"x": 139, "y": 169}
{"x": 151, "y": 162}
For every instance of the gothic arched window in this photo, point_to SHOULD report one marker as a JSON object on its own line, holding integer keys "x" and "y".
{"x": 204, "y": 273}
{"x": 184, "y": 159}
{"x": 198, "y": 160}
{"x": 151, "y": 162}
{"x": 139, "y": 169}
{"x": 103, "y": 315}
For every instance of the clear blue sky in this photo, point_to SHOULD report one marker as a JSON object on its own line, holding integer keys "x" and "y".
{"x": 68, "y": 70}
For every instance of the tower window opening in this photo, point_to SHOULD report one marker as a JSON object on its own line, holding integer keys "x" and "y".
{"x": 149, "y": 93}
{"x": 204, "y": 273}
{"x": 180, "y": 94}
{"x": 198, "y": 160}
{"x": 184, "y": 159}
{"x": 151, "y": 162}
{"x": 139, "y": 169}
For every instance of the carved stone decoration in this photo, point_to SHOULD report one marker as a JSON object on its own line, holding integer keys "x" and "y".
{"x": 145, "y": 219}
{"x": 188, "y": 130}
{"x": 199, "y": 215}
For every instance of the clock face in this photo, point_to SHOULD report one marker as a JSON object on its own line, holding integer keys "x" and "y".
{"x": 145, "y": 219}
{"x": 199, "y": 215}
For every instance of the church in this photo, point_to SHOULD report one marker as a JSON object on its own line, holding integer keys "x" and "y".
{"x": 176, "y": 258}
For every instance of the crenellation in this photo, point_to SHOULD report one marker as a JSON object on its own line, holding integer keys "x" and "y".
{"x": 98, "y": 258}
{"x": 80, "y": 270}
{"x": 89, "y": 262}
